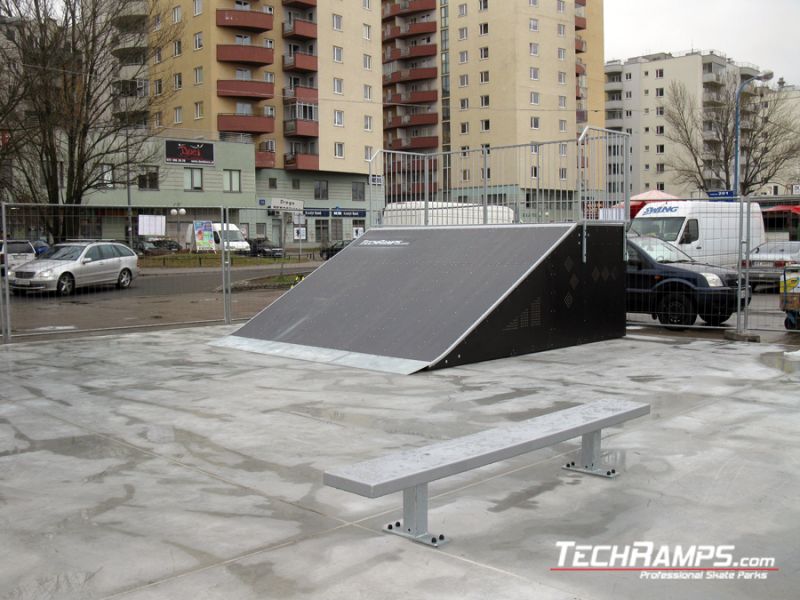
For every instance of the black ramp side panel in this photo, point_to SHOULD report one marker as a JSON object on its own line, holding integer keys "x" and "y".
{"x": 405, "y": 293}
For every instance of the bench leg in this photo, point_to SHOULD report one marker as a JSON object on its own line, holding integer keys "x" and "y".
{"x": 589, "y": 458}
{"x": 415, "y": 518}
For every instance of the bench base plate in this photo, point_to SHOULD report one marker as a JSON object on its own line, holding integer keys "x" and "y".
{"x": 603, "y": 471}
{"x": 428, "y": 539}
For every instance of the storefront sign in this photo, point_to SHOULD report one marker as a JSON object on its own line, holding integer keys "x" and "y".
{"x": 285, "y": 204}
{"x": 189, "y": 153}
{"x": 316, "y": 212}
{"x": 348, "y": 212}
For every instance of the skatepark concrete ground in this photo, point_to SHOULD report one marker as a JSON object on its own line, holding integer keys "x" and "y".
{"x": 151, "y": 465}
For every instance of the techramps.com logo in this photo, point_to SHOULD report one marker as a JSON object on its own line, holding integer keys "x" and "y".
{"x": 384, "y": 243}
{"x": 660, "y": 562}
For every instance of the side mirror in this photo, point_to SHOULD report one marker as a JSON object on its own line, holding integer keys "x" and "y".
{"x": 86, "y": 261}
{"x": 635, "y": 262}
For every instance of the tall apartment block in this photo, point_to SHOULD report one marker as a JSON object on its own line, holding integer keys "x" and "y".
{"x": 497, "y": 72}
{"x": 637, "y": 90}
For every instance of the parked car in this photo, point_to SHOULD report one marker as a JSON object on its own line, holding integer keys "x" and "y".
{"x": 265, "y": 248}
{"x": 66, "y": 267}
{"x": 40, "y": 247}
{"x": 674, "y": 288}
{"x": 166, "y": 244}
{"x": 14, "y": 253}
{"x": 333, "y": 249}
{"x": 768, "y": 261}
{"x": 145, "y": 248}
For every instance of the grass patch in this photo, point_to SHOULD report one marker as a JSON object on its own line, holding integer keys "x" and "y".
{"x": 190, "y": 261}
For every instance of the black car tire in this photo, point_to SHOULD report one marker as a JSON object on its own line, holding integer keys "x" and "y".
{"x": 676, "y": 310}
{"x": 715, "y": 320}
{"x": 65, "y": 285}
{"x": 124, "y": 280}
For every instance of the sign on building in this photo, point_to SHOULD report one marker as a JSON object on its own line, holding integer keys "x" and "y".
{"x": 286, "y": 204}
{"x": 299, "y": 233}
{"x": 189, "y": 153}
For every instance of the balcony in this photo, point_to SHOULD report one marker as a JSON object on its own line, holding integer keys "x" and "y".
{"x": 713, "y": 78}
{"x": 415, "y": 120}
{"x": 300, "y": 128}
{"x": 245, "y": 88}
{"x": 301, "y": 3}
{"x": 613, "y": 86}
{"x": 580, "y": 68}
{"x": 301, "y": 162}
{"x": 129, "y": 43}
{"x": 410, "y": 30}
{"x": 580, "y": 45}
{"x": 132, "y": 72}
{"x": 614, "y": 104}
{"x": 414, "y": 143}
{"x": 581, "y": 91}
{"x": 580, "y": 23}
{"x": 300, "y": 28}
{"x": 410, "y": 52}
{"x": 582, "y": 116}
{"x": 245, "y": 53}
{"x": 265, "y": 159}
{"x": 580, "y": 2}
{"x": 300, "y": 61}
{"x": 407, "y": 7}
{"x": 415, "y": 97}
{"x": 410, "y": 75}
{"x": 131, "y": 14}
{"x": 301, "y": 93}
{"x": 253, "y": 20}
{"x": 712, "y": 98}
{"x": 245, "y": 123}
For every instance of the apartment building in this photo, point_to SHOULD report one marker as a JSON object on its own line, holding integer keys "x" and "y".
{"x": 637, "y": 91}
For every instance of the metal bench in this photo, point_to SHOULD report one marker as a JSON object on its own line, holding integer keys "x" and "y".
{"x": 412, "y": 470}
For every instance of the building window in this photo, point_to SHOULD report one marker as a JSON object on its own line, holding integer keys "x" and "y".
{"x": 462, "y": 33}
{"x": 562, "y": 173}
{"x": 338, "y": 118}
{"x": 296, "y": 185}
{"x": 367, "y": 92}
{"x": 177, "y": 81}
{"x": 659, "y": 92}
{"x": 359, "y": 191}
{"x": 106, "y": 176}
{"x": 148, "y": 178}
{"x": 177, "y": 14}
{"x": 337, "y": 54}
{"x": 367, "y": 122}
{"x": 659, "y": 130}
{"x": 533, "y": 48}
{"x": 243, "y": 39}
{"x": 463, "y": 103}
{"x": 273, "y": 183}
{"x": 562, "y": 78}
{"x": 660, "y": 149}
{"x": 485, "y": 101}
{"x": 198, "y": 40}
{"x": 367, "y": 62}
{"x": 483, "y": 5}
{"x": 535, "y": 98}
{"x": 366, "y": 4}
{"x": 198, "y": 75}
{"x": 660, "y": 111}
{"x": 485, "y": 125}
{"x": 659, "y": 73}
{"x": 562, "y": 54}
{"x": 157, "y": 119}
{"x": 562, "y": 149}
{"x": 483, "y": 29}
{"x": 463, "y": 56}
{"x": 465, "y": 127}
{"x": 562, "y": 102}
{"x": 158, "y": 87}
{"x": 157, "y": 56}
{"x": 463, "y": 80}
{"x": 660, "y": 167}
{"x": 484, "y": 53}
{"x": 484, "y": 76}
{"x": 337, "y": 22}
{"x": 561, "y": 30}
{"x": 462, "y": 10}
{"x": 198, "y": 7}
{"x": 198, "y": 110}
{"x": 338, "y": 85}
{"x": 320, "y": 189}
{"x": 561, "y": 6}
{"x": 627, "y": 76}
{"x": 178, "y": 115}
{"x": 177, "y": 48}
{"x": 533, "y": 73}
{"x": 231, "y": 180}
{"x": 192, "y": 179}
{"x": 157, "y": 23}
{"x": 660, "y": 186}
{"x": 534, "y": 122}
{"x": 366, "y": 31}
{"x": 562, "y": 125}
{"x": 533, "y": 24}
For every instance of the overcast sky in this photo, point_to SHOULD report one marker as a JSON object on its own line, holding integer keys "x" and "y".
{"x": 763, "y": 32}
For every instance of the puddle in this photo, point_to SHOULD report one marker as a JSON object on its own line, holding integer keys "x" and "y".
{"x": 778, "y": 360}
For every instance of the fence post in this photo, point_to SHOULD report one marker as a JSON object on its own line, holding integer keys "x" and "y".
{"x": 485, "y": 186}
{"x": 426, "y": 190}
{"x": 5, "y": 303}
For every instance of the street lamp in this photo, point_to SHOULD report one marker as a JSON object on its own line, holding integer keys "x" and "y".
{"x": 179, "y": 212}
{"x": 765, "y": 76}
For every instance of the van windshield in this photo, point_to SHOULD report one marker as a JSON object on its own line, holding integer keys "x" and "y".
{"x": 665, "y": 228}
{"x": 232, "y": 235}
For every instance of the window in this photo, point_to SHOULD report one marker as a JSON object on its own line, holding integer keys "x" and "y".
{"x": 157, "y": 119}
{"x": 178, "y": 115}
{"x": 533, "y": 48}
{"x": 367, "y": 122}
{"x": 533, "y": 2}
{"x": 534, "y": 122}
{"x": 562, "y": 78}
{"x": 366, "y": 31}
{"x": 463, "y": 56}
{"x": 484, "y": 76}
{"x": 647, "y": 167}
{"x": 462, "y": 33}
{"x": 629, "y": 94}
{"x": 659, "y": 73}
{"x": 534, "y": 175}
{"x": 198, "y": 40}
{"x": 338, "y": 118}
{"x": 660, "y": 149}
{"x": 463, "y": 80}
{"x": 273, "y": 183}
{"x": 533, "y": 73}
{"x": 562, "y": 149}
{"x": 659, "y": 130}
{"x": 659, "y": 92}
{"x": 198, "y": 7}
{"x": 485, "y": 101}
{"x": 562, "y": 54}
{"x": 320, "y": 189}
{"x": 157, "y": 56}
{"x": 483, "y": 5}
{"x": 106, "y": 176}
{"x": 192, "y": 179}
{"x": 148, "y": 178}
{"x": 483, "y": 29}
{"x": 561, "y": 29}
{"x": 177, "y": 48}
{"x": 338, "y": 149}
{"x": 647, "y": 92}
{"x": 535, "y": 98}
{"x": 462, "y": 10}
{"x": 366, "y": 4}
{"x": 337, "y": 22}
{"x": 484, "y": 53}
{"x": 463, "y": 103}
{"x": 359, "y": 191}
{"x": 337, "y": 54}
{"x": 660, "y": 168}
{"x": 269, "y": 77}
{"x": 562, "y": 125}
{"x": 562, "y": 173}
{"x": 465, "y": 127}
{"x": 367, "y": 92}
{"x": 660, "y": 111}
{"x": 157, "y": 23}
{"x": 660, "y": 186}
{"x": 561, "y": 6}
{"x": 158, "y": 87}
{"x": 368, "y": 152}
{"x": 533, "y": 24}
{"x": 231, "y": 180}
{"x": 465, "y": 175}
{"x": 176, "y": 14}
{"x": 627, "y": 76}
{"x": 338, "y": 85}
{"x": 367, "y": 62}
{"x": 177, "y": 81}
{"x": 485, "y": 125}
{"x": 198, "y": 110}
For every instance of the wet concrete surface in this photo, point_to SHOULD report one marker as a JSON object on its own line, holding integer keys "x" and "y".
{"x": 151, "y": 465}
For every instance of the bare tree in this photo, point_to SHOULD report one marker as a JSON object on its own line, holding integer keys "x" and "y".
{"x": 705, "y": 132}
{"x": 85, "y": 67}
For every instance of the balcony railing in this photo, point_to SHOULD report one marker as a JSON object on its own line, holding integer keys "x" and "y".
{"x": 415, "y": 97}
{"x": 407, "y": 7}
{"x": 300, "y": 3}
{"x": 301, "y": 128}
{"x": 300, "y": 61}
{"x": 265, "y": 159}
{"x": 245, "y": 123}
{"x": 414, "y": 143}
{"x": 409, "y": 30}
{"x": 301, "y": 93}
{"x": 245, "y": 88}
{"x": 301, "y": 162}
{"x": 410, "y": 75}
{"x": 245, "y": 53}
{"x": 300, "y": 28}
{"x": 415, "y": 120}
{"x": 580, "y": 45}
{"x": 244, "y": 19}
{"x": 410, "y": 52}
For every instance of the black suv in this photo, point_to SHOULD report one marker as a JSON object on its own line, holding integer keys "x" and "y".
{"x": 333, "y": 249}
{"x": 664, "y": 282}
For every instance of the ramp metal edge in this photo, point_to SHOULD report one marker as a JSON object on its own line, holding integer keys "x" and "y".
{"x": 341, "y": 358}
{"x": 505, "y": 295}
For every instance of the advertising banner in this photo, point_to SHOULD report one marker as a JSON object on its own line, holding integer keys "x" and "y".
{"x": 203, "y": 236}
{"x": 189, "y": 153}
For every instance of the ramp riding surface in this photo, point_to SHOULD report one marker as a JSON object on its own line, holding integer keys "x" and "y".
{"x": 406, "y": 299}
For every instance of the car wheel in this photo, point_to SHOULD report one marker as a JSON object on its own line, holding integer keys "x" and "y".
{"x": 65, "y": 285}
{"x": 676, "y": 310}
{"x": 715, "y": 320}
{"x": 124, "y": 279}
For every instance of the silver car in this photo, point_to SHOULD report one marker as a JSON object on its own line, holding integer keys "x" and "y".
{"x": 768, "y": 261}
{"x": 66, "y": 267}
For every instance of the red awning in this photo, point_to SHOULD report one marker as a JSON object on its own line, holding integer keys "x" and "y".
{"x": 783, "y": 208}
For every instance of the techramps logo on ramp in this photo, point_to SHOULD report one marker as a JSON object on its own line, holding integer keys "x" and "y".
{"x": 384, "y": 243}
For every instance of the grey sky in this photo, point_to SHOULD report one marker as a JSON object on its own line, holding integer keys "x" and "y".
{"x": 763, "y": 32}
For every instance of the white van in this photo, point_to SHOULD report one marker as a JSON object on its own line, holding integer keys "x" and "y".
{"x": 707, "y": 231}
{"x": 234, "y": 240}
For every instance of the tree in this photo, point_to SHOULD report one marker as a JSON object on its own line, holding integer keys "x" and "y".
{"x": 84, "y": 68}
{"x": 705, "y": 133}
